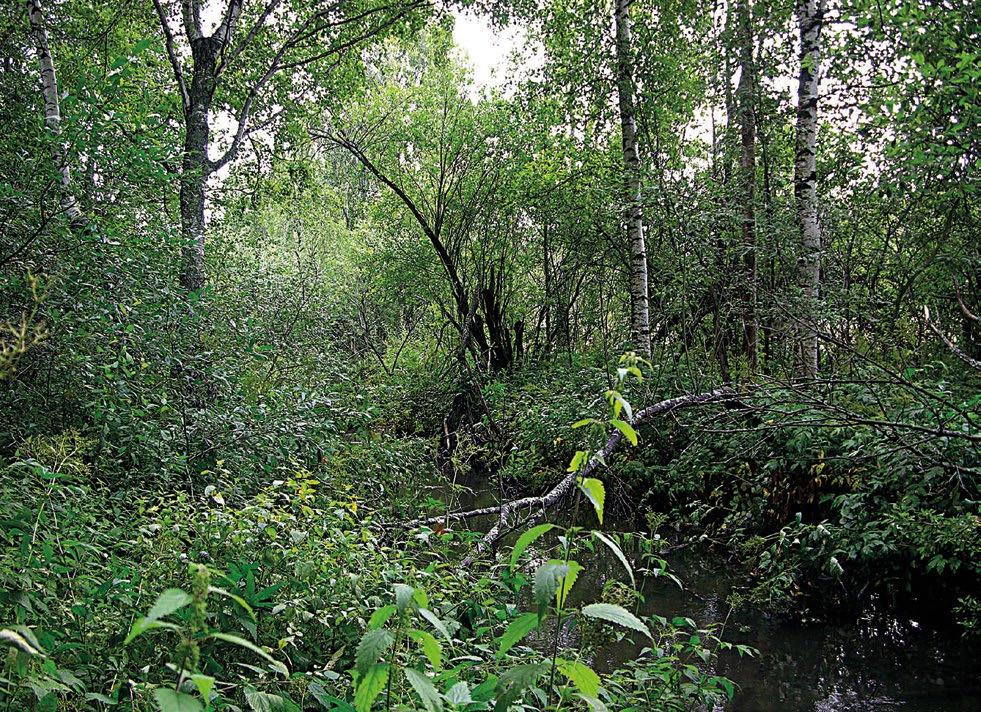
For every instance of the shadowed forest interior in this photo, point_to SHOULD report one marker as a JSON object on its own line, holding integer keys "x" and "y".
{"x": 458, "y": 355}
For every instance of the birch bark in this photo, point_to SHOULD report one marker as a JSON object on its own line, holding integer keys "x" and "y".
{"x": 810, "y": 15}
{"x": 746, "y": 100}
{"x": 52, "y": 114}
{"x": 632, "y": 213}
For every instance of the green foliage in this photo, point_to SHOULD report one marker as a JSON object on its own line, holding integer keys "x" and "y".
{"x": 516, "y": 631}
{"x": 615, "y": 614}
{"x": 595, "y": 492}
{"x": 203, "y": 495}
{"x": 817, "y": 508}
{"x": 528, "y": 538}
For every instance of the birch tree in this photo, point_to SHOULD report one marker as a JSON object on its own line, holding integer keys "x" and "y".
{"x": 810, "y": 15}
{"x": 633, "y": 217}
{"x": 232, "y": 68}
{"x": 746, "y": 107}
{"x": 52, "y": 114}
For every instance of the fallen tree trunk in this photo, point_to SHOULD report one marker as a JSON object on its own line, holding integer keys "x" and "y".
{"x": 509, "y": 512}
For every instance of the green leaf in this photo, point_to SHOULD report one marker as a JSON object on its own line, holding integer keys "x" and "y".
{"x": 205, "y": 684}
{"x": 512, "y": 684}
{"x": 594, "y": 704}
{"x": 96, "y": 697}
{"x": 616, "y": 614}
{"x": 583, "y": 422}
{"x": 620, "y": 404}
{"x": 30, "y": 637}
{"x": 248, "y": 645}
{"x": 618, "y": 552}
{"x": 14, "y": 638}
{"x": 568, "y": 581}
{"x": 581, "y": 675}
{"x": 526, "y": 539}
{"x": 459, "y": 694}
{"x": 238, "y": 599}
{"x": 577, "y": 461}
{"x": 381, "y": 616}
{"x": 547, "y": 579}
{"x": 626, "y": 428}
{"x": 268, "y": 702}
{"x": 726, "y": 684}
{"x": 370, "y": 685}
{"x": 170, "y": 601}
{"x": 595, "y": 492}
{"x": 142, "y": 625}
{"x": 173, "y": 701}
{"x": 403, "y": 596}
{"x": 485, "y": 690}
{"x": 517, "y": 629}
{"x": 430, "y": 646}
{"x": 140, "y": 46}
{"x": 329, "y": 701}
{"x": 371, "y": 647}
{"x": 424, "y": 688}
{"x": 437, "y": 624}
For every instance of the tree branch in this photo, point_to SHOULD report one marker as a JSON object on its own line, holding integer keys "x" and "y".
{"x": 967, "y": 312}
{"x": 507, "y": 512}
{"x": 191, "y": 12}
{"x": 227, "y": 27}
{"x": 253, "y": 31}
{"x": 459, "y": 291}
{"x": 172, "y": 55}
{"x": 935, "y": 328}
{"x": 310, "y": 27}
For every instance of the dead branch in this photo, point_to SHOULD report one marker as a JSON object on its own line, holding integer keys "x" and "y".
{"x": 935, "y": 328}
{"x": 509, "y": 511}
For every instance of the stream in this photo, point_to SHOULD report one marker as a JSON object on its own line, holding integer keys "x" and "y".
{"x": 879, "y": 660}
{"x": 876, "y": 661}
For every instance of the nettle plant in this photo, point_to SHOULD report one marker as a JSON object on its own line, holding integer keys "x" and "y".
{"x": 185, "y": 615}
{"x": 525, "y": 665}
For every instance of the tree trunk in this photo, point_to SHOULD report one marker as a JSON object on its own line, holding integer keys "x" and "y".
{"x": 810, "y": 14}
{"x": 746, "y": 99}
{"x": 547, "y": 263}
{"x": 771, "y": 263}
{"x": 52, "y": 114}
{"x": 196, "y": 166}
{"x": 632, "y": 214}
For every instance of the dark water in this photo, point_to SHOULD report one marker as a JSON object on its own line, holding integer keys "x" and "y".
{"x": 879, "y": 660}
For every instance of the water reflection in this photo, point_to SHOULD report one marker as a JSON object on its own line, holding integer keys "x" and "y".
{"x": 875, "y": 663}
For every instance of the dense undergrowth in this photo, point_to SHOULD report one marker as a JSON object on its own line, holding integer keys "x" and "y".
{"x": 306, "y": 557}
{"x": 277, "y": 595}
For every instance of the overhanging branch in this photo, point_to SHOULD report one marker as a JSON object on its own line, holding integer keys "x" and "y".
{"x": 509, "y": 511}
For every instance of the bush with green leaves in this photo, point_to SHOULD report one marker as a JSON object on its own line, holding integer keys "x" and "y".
{"x": 823, "y": 498}
{"x": 538, "y": 659}
{"x": 283, "y": 599}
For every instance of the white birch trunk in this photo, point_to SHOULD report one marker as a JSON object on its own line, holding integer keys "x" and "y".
{"x": 810, "y": 15}
{"x": 52, "y": 113}
{"x": 633, "y": 216}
